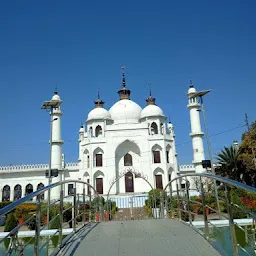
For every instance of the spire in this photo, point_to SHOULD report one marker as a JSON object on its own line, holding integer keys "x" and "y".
{"x": 124, "y": 93}
{"x": 150, "y": 100}
{"x": 99, "y": 103}
{"x": 123, "y": 75}
{"x": 191, "y": 84}
{"x": 56, "y": 90}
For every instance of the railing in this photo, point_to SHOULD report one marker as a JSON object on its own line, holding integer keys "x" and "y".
{"x": 29, "y": 167}
{"x": 73, "y": 211}
{"x": 181, "y": 205}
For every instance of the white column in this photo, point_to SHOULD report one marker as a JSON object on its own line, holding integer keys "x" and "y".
{"x": 196, "y": 132}
{"x": 56, "y": 149}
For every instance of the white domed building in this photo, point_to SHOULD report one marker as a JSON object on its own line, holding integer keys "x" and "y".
{"x": 123, "y": 150}
{"x": 127, "y": 137}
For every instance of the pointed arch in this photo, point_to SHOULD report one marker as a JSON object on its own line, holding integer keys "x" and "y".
{"x": 156, "y": 153}
{"x": 98, "y": 131}
{"x": 158, "y": 173}
{"x": 98, "y": 178}
{"x": 168, "y": 148}
{"x": 17, "y": 192}
{"x": 6, "y": 193}
{"x": 41, "y": 185}
{"x": 86, "y": 158}
{"x": 154, "y": 128}
{"x": 98, "y": 157}
{"x": 127, "y": 146}
{"x": 129, "y": 182}
{"x": 29, "y": 189}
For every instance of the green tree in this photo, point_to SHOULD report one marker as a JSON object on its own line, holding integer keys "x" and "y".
{"x": 247, "y": 152}
{"x": 229, "y": 164}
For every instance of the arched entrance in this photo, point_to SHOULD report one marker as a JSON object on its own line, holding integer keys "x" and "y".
{"x": 130, "y": 205}
{"x": 129, "y": 182}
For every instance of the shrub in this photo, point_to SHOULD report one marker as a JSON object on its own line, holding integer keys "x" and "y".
{"x": 11, "y": 222}
{"x": 3, "y": 204}
{"x": 55, "y": 224}
{"x": 32, "y": 223}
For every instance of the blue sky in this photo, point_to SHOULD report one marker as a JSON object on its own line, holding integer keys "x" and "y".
{"x": 80, "y": 46}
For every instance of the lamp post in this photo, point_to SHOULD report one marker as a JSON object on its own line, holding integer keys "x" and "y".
{"x": 200, "y": 95}
{"x": 49, "y": 106}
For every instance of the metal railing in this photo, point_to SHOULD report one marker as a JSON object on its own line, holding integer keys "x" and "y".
{"x": 182, "y": 205}
{"x": 72, "y": 211}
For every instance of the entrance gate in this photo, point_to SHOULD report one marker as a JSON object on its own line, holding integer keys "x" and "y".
{"x": 131, "y": 206}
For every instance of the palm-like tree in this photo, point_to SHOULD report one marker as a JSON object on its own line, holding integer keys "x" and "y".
{"x": 229, "y": 162}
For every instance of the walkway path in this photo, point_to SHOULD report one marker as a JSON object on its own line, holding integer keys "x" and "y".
{"x": 139, "y": 238}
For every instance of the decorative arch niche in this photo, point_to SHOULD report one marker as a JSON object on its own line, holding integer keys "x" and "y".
{"x": 98, "y": 131}
{"x": 154, "y": 128}
{"x": 156, "y": 154}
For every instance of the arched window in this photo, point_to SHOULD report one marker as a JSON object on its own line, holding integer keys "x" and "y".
{"x": 98, "y": 131}
{"x": 29, "y": 189}
{"x": 162, "y": 128}
{"x": 91, "y": 132}
{"x": 41, "y": 185}
{"x": 127, "y": 160}
{"x": 156, "y": 151}
{"x": 17, "y": 192}
{"x": 98, "y": 157}
{"x": 154, "y": 129}
{"x": 6, "y": 193}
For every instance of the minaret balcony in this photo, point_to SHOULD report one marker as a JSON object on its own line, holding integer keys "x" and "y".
{"x": 194, "y": 134}
{"x": 193, "y": 105}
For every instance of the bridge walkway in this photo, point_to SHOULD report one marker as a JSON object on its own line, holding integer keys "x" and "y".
{"x": 138, "y": 238}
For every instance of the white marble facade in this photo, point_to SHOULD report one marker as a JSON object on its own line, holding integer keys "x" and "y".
{"x": 111, "y": 142}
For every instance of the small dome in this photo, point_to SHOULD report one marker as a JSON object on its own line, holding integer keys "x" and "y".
{"x": 191, "y": 90}
{"x": 151, "y": 110}
{"x": 125, "y": 111}
{"x": 56, "y": 96}
{"x": 98, "y": 113}
{"x": 81, "y": 130}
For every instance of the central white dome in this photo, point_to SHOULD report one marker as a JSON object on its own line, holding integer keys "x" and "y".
{"x": 125, "y": 111}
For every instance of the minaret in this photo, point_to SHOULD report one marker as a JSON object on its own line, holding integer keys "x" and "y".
{"x": 56, "y": 144}
{"x": 196, "y": 132}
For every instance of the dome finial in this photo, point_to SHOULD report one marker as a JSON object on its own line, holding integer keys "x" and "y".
{"x": 191, "y": 84}
{"x": 123, "y": 74}
{"x": 56, "y": 90}
{"x": 98, "y": 103}
{"x": 150, "y": 100}
{"x": 124, "y": 93}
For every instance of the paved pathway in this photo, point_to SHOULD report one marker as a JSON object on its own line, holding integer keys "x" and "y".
{"x": 139, "y": 238}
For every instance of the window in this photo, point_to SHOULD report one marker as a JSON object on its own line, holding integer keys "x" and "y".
{"x": 41, "y": 185}
{"x": 70, "y": 189}
{"x": 127, "y": 160}
{"x": 154, "y": 129}
{"x": 157, "y": 159}
{"x": 169, "y": 177}
{"x": 88, "y": 161}
{"x": 167, "y": 156}
{"x": 29, "y": 190}
{"x": 162, "y": 128}
{"x": 17, "y": 192}
{"x": 98, "y": 131}
{"x": 88, "y": 187}
{"x": 6, "y": 193}
{"x": 98, "y": 160}
{"x": 90, "y": 132}
{"x": 183, "y": 185}
{"x": 99, "y": 185}
{"x": 159, "y": 182}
